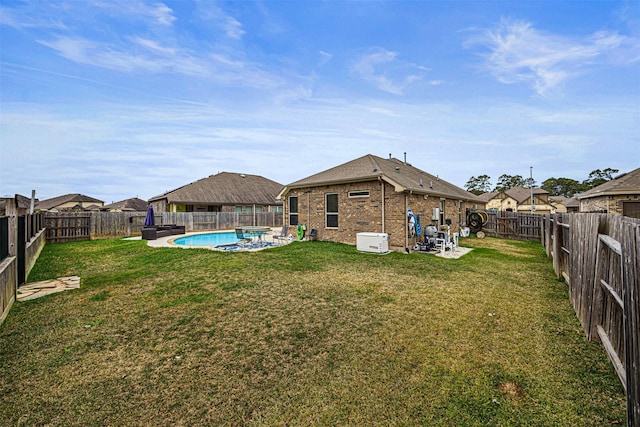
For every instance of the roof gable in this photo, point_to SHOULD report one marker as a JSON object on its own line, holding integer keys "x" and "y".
{"x": 403, "y": 176}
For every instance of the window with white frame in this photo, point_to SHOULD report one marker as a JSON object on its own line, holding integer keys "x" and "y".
{"x": 293, "y": 210}
{"x": 331, "y": 210}
{"x": 363, "y": 193}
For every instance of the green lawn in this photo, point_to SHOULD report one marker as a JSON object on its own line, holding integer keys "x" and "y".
{"x": 313, "y": 333}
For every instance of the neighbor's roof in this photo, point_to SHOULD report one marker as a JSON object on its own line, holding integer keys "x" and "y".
{"x": 569, "y": 202}
{"x": 226, "y": 188}
{"x": 488, "y": 196}
{"x": 627, "y": 183}
{"x": 133, "y": 204}
{"x": 403, "y": 176}
{"x": 520, "y": 194}
{"x": 57, "y": 201}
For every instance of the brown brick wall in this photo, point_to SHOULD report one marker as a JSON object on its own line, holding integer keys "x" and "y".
{"x": 609, "y": 204}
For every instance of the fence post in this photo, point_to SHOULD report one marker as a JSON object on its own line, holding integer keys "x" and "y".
{"x": 631, "y": 263}
{"x": 557, "y": 246}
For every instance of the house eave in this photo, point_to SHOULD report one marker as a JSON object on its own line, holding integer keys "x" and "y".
{"x": 609, "y": 193}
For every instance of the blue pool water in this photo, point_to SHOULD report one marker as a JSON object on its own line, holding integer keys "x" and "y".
{"x": 208, "y": 239}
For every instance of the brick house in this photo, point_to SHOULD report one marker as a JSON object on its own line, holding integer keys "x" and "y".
{"x": 373, "y": 194}
{"x": 620, "y": 196}
{"x": 518, "y": 199}
{"x": 223, "y": 192}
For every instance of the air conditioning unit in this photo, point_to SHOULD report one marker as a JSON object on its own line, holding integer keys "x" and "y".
{"x": 373, "y": 242}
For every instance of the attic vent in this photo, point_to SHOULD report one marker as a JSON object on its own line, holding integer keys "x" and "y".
{"x": 431, "y": 185}
{"x": 375, "y": 167}
{"x": 243, "y": 175}
{"x": 398, "y": 169}
{"x": 421, "y": 184}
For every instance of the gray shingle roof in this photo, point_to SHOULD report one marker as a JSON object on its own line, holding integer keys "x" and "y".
{"x": 226, "y": 188}
{"x": 403, "y": 176}
{"x": 627, "y": 183}
{"x": 57, "y": 201}
{"x": 132, "y": 204}
{"x": 488, "y": 196}
{"x": 520, "y": 194}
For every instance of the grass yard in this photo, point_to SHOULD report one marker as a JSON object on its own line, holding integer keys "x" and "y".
{"x": 312, "y": 333}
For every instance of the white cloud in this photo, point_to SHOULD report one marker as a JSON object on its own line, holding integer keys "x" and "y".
{"x": 155, "y": 13}
{"x": 520, "y": 53}
{"x": 154, "y": 46}
{"x": 382, "y": 69}
{"x": 211, "y": 13}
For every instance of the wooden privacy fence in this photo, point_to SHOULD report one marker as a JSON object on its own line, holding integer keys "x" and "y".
{"x": 22, "y": 238}
{"x": 599, "y": 256}
{"x": 73, "y": 226}
{"x": 513, "y": 225}
{"x": 63, "y": 227}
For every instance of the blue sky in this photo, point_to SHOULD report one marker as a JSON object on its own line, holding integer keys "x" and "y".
{"x": 117, "y": 99}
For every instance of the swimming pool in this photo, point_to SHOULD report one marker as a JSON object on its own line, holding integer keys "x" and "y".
{"x": 208, "y": 239}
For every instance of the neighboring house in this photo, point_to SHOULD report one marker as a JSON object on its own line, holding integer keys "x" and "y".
{"x": 563, "y": 204}
{"x": 70, "y": 202}
{"x": 518, "y": 199}
{"x": 224, "y": 192}
{"x": 129, "y": 205}
{"x": 373, "y": 194}
{"x": 620, "y": 196}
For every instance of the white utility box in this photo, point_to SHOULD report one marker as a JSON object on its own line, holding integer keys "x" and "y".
{"x": 373, "y": 242}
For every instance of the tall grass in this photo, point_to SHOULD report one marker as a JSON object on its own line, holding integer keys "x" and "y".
{"x": 313, "y": 333}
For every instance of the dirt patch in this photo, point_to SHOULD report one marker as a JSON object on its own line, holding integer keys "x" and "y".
{"x": 512, "y": 391}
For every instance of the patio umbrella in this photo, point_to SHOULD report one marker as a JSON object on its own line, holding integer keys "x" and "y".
{"x": 149, "y": 220}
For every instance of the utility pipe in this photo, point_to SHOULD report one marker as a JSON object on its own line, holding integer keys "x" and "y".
{"x": 383, "y": 206}
{"x": 406, "y": 223}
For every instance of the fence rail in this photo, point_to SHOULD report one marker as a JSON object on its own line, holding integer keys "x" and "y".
{"x": 598, "y": 255}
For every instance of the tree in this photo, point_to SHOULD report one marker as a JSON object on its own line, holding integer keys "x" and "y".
{"x": 478, "y": 185}
{"x": 598, "y": 177}
{"x": 506, "y": 182}
{"x": 565, "y": 187}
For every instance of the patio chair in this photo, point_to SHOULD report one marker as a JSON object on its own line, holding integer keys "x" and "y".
{"x": 313, "y": 235}
{"x": 282, "y": 235}
{"x": 244, "y": 240}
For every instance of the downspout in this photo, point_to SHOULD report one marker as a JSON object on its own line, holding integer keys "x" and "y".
{"x": 406, "y": 223}
{"x": 383, "y": 207}
{"x": 309, "y": 209}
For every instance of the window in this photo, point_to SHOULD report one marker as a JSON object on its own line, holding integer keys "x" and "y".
{"x": 189, "y": 208}
{"x": 364, "y": 193}
{"x": 331, "y": 207}
{"x": 442, "y": 211}
{"x": 293, "y": 210}
{"x": 276, "y": 209}
{"x": 258, "y": 209}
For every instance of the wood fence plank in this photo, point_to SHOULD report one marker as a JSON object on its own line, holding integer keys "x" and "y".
{"x": 631, "y": 251}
